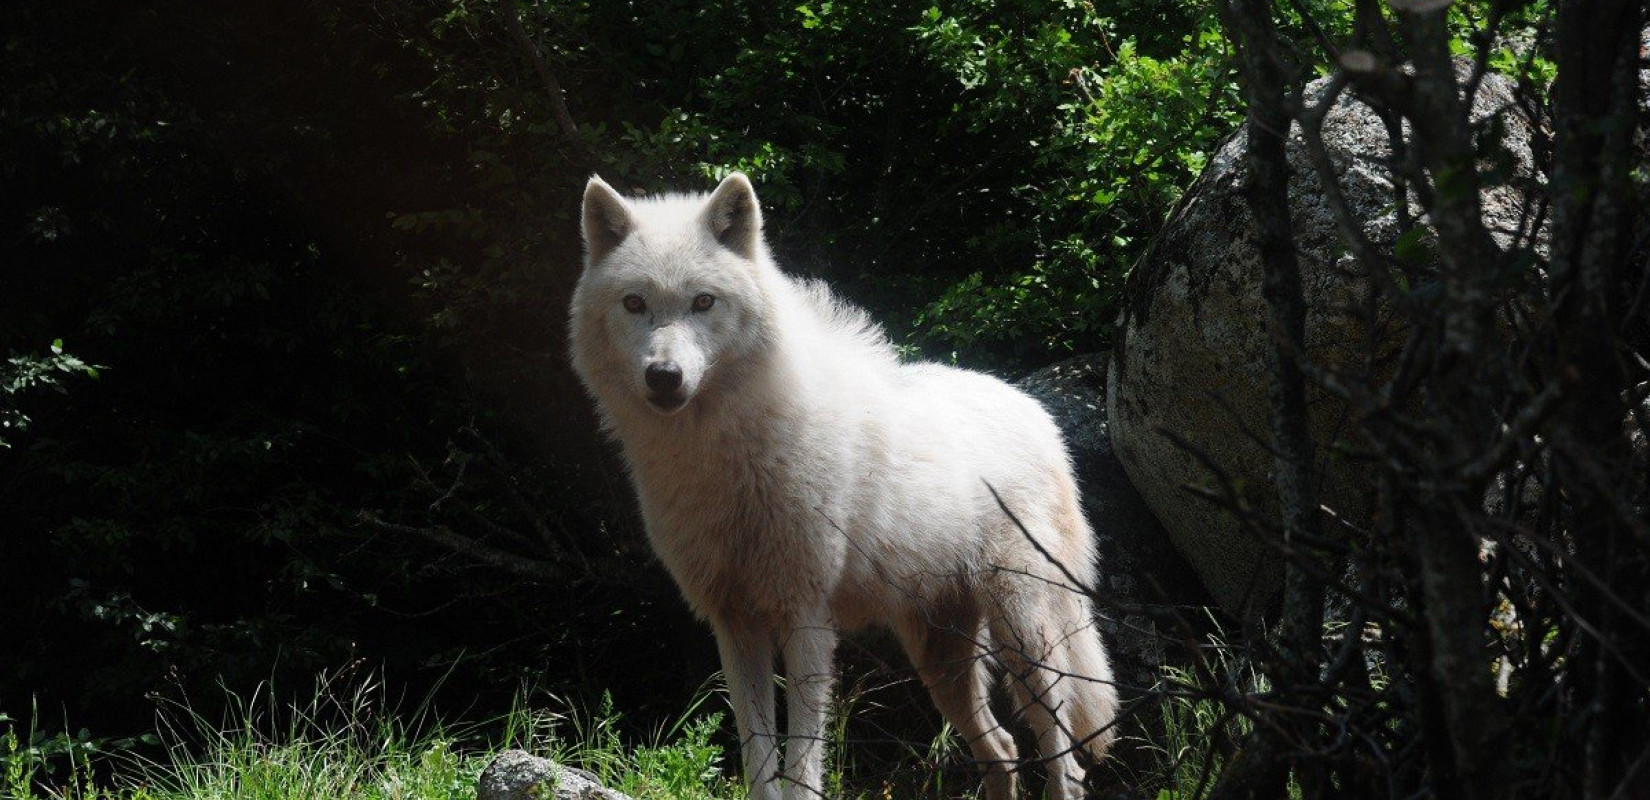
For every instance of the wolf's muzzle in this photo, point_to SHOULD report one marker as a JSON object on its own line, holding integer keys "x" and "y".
{"x": 664, "y": 379}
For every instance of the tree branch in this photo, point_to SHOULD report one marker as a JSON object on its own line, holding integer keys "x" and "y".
{"x": 552, "y": 87}
{"x": 484, "y": 554}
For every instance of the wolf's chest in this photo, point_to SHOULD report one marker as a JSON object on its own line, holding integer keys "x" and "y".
{"x": 741, "y": 530}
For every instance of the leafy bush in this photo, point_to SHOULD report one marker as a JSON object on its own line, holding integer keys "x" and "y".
{"x": 24, "y": 374}
{"x": 1130, "y": 126}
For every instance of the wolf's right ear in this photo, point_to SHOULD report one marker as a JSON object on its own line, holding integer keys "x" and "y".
{"x": 607, "y": 219}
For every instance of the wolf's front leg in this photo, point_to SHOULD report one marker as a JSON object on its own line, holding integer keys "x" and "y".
{"x": 810, "y": 647}
{"x": 747, "y": 663}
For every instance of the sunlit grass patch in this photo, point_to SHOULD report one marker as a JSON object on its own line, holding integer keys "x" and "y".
{"x": 348, "y": 742}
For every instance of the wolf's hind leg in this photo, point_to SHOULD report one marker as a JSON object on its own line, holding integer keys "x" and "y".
{"x": 952, "y": 664}
{"x": 747, "y": 663}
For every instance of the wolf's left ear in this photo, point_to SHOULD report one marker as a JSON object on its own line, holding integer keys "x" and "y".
{"x": 607, "y": 219}
{"x": 734, "y": 217}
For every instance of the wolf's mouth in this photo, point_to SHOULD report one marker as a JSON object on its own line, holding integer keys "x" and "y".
{"x": 667, "y": 402}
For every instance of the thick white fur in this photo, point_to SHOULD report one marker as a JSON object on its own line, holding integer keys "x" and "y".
{"x": 812, "y": 484}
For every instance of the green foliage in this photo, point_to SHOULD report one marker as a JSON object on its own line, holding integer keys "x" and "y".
{"x": 1512, "y": 45}
{"x": 1129, "y": 131}
{"x": 24, "y": 374}
{"x": 60, "y": 760}
{"x": 981, "y": 172}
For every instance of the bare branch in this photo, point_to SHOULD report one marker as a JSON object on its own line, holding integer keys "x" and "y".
{"x": 481, "y": 553}
{"x": 552, "y": 87}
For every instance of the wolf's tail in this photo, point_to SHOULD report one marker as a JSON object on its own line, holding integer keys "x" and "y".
{"x": 1093, "y": 717}
{"x": 1087, "y": 697}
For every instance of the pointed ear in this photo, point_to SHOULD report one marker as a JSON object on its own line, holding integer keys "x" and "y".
{"x": 607, "y": 219}
{"x": 733, "y": 216}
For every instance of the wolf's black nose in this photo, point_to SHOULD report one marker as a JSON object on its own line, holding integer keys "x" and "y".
{"x": 664, "y": 377}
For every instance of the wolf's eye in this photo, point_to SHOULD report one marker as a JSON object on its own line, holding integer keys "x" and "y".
{"x": 634, "y": 303}
{"x": 703, "y": 302}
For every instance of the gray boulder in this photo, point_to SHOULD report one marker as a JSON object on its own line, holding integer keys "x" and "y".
{"x": 1148, "y": 596}
{"x": 515, "y": 775}
{"x": 1192, "y": 336}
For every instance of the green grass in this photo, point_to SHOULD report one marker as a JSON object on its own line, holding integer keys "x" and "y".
{"x": 350, "y": 743}
{"x": 1183, "y": 757}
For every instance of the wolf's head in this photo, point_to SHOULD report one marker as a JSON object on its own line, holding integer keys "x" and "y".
{"x": 671, "y": 291}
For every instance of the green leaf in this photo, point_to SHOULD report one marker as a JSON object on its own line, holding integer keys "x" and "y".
{"x": 1413, "y": 246}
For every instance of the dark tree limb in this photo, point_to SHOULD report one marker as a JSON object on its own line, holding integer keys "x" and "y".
{"x": 487, "y": 555}
{"x": 1443, "y": 139}
{"x": 1262, "y": 768}
{"x": 559, "y": 547}
{"x": 1596, "y": 116}
{"x": 552, "y": 87}
{"x": 1471, "y": 762}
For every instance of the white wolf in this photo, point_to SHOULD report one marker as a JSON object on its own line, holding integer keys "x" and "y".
{"x": 798, "y": 481}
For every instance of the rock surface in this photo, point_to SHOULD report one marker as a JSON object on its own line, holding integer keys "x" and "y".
{"x": 1193, "y": 335}
{"x": 515, "y": 775}
{"x": 1144, "y": 581}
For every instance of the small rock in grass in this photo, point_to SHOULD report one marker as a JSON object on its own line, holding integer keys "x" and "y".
{"x": 515, "y": 775}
